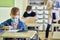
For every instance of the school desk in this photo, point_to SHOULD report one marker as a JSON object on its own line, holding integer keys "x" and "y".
{"x": 32, "y": 24}
{"x": 36, "y": 26}
{"x": 29, "y": 34}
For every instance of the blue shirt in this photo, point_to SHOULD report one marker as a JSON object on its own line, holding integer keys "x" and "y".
{"x": 21, "y": 25}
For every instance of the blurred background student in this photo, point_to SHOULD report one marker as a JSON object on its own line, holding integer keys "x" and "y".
{"x": 29, "y": 12}
{"x": 51, "y": 5}
{"x": 14, "y": 22}
{"x": 29, "y": 16}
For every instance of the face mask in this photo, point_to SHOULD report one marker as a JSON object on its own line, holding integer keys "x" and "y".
{"x": 15, "y": 19}
{"x": 29, "y": 12}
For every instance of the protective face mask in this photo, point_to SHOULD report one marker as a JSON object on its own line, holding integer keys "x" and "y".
{"x": 29, "y": 12}
{"x": 15, "y": 19}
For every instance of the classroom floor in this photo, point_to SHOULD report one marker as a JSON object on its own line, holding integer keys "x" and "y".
{"x": 42, "y": 36}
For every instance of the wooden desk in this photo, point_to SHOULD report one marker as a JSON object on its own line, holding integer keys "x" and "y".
{"x": 33, "y": 24}
{"x": 29, "y": 34}
{"x": 30, "y": 21}
{"x": 36, "y": 27}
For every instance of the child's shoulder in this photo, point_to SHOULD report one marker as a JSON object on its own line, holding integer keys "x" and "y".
{"x": 21, "y": 21}
{"x": 8, "y": 20}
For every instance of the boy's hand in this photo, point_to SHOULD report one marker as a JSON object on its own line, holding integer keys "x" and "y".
{"x": 10, "y": 27}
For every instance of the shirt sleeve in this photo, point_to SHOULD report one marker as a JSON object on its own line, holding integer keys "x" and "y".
{"x": 3, "y": 24}
{"x": 23, "y": 26}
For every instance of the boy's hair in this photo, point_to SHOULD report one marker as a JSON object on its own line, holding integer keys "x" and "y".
{"x": 14, "y": 10}
{"x": 28, "y": 8}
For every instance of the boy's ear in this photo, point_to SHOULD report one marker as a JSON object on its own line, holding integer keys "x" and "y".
{"x": 10, "y": 14}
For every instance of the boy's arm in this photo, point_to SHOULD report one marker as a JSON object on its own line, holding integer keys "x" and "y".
{"x": 4, "y": 25}
{"x": 23, "y": 26}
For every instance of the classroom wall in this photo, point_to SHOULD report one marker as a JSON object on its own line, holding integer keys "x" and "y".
{"x": 5, "y": 11}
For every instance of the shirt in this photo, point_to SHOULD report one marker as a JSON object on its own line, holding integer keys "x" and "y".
{"x": 20, "y": 25}
{"x": 26, "y": 14}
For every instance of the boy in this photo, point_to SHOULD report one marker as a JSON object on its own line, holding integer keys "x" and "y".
{"x": 14, "y": 22}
